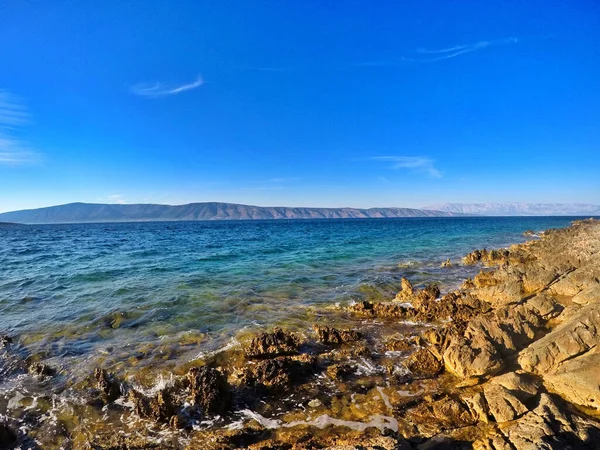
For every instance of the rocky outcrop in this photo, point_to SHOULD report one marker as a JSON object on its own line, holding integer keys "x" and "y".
{"x": 269, "y": 345}
{"x": 209, "y": 390}
{"x": 329, "y": 336}
{"x": 548, "y": 426}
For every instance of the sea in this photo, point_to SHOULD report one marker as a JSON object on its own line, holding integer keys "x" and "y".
{"x": 146, "y": 301}
{"x": 79, "y": 294}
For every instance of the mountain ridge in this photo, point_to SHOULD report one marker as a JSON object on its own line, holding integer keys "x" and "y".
{"x": 519, "y": 209}
{"x": 148, "y": 212}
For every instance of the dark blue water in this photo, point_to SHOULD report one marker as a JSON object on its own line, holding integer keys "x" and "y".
{"x": 80, "y": 290}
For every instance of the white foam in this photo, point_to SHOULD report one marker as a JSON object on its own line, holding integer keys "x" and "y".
{"x": 233, "y": 342}
{"x": 409, "y": 393}
{"x": 385, "y": 398}
{"x": 376, "y": 421}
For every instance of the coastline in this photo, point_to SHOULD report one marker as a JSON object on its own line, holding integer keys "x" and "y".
{"x": 479, "y": 368}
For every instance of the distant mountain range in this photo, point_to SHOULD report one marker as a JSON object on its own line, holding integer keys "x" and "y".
{"x": 520, "y": 209}
{"x": 93, "y": 212}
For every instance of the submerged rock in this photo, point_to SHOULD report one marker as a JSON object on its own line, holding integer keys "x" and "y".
{"x": 269, "y": 345}
{"x": 108, "y": 385}
{"x": 41, "y": 370}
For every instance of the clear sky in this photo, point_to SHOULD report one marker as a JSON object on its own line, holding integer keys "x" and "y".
{"x": 312, "y": 102}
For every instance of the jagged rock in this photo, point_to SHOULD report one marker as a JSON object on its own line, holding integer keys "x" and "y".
{"x": 385, "y": 310}
{"x": 546, "y": 427}
{"x": 340, "y": 372}
{"x": 277, "y": 374}
{"x": 328, "y": 335}
{"x": 209, "y": 390}
{"x": 406, "y": 292}
{"x": 587, "y": 296}
{"x": 107, "y": 384}
{"x": 423, "y": 364}
{"x": 277, "y": 343}
{"x": 578, "y": 380}
{"x": 41, "y": 370}
{"x": 502, "y": 404}
{"x": 522, "y": 385}
{"x": 486, "y": 257}
{"x": 447, "y": 413}
{"x": 478, "y": 406}
{"x": 396, "y": 344}
{"x": 571, "y": 339}
{"x": 475, "y": 358}
{"x": 160, "y": 408}
{"x": 5, "y": 340}
{"x": 447, "y": 263}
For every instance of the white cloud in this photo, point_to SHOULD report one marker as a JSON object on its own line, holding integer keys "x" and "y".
{"x": 13, "y": 115}
{"x": 425, "y": 55}
{"x": 157, "y": 89}
{"x": 419, "y": 164}
{"x": 457, "y": 50}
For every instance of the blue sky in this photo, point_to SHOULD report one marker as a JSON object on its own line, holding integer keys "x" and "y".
{"x": 313, "y": 103}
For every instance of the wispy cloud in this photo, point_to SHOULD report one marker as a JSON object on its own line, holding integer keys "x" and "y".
{"x": 157, "y": 89}
{"x": 13, "y": 115}
{"x": 425, "y": 55}
{"x": 457, "y": 50}
{"x": 418, "y": 164}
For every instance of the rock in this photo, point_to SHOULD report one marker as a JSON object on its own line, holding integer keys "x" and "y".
{"x": 340, "y": 371}
{"x": 41, "y": 370}
{"x": 547, "y": 427}
{"x": 407, "y": 289}
{"x": 447, "y": 263}
{"x": 209, "y": 390}
{"x": 5, "y": 340}
{"x": 327, "y": 335}
{"x": 529, "y": 233}
{"x": 269, "y": 345}
{"x": 478, "y": 406}
{"x": 423, "y": 364}
{"x": 315, "y": 403}
{"x": 573, "y": 338}
{"x": 475, "y": 358}
{"x": 492, "y": 257}
{"x": 502, "y": 404}
{"x": 444, "y": 414}
{"x": 277, "y": 374}
{"x": 107, "y": 384}
{"x": 8, "y": 436}
{"x": 160, "y": 408}
{"x": 401, "y": 344}
{"x": 578, "y": 380}
{"x": 382, "y": 310}
{"x": 522, "y": 385}
{"x": 587, "y": 296}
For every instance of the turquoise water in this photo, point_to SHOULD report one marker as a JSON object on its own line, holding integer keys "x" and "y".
{"x": 75, "y": 291}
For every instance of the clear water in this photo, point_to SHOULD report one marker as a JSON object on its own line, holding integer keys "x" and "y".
{"x": 75, "y": 292}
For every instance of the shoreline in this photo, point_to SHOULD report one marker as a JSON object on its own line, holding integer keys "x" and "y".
{"x": 461, "y": 370}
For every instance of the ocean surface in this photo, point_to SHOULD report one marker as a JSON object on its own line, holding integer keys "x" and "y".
{"x": 129, "y": 293}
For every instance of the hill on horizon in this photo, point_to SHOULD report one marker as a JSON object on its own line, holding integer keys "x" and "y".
{"x": 99, "y": 212}
{"x": 519, "y": 209}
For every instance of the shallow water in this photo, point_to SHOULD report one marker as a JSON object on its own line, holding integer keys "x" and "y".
{"x": 83, "y": 292}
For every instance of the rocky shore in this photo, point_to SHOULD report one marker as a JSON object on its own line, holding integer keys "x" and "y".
{"x": 509, "y": 361}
